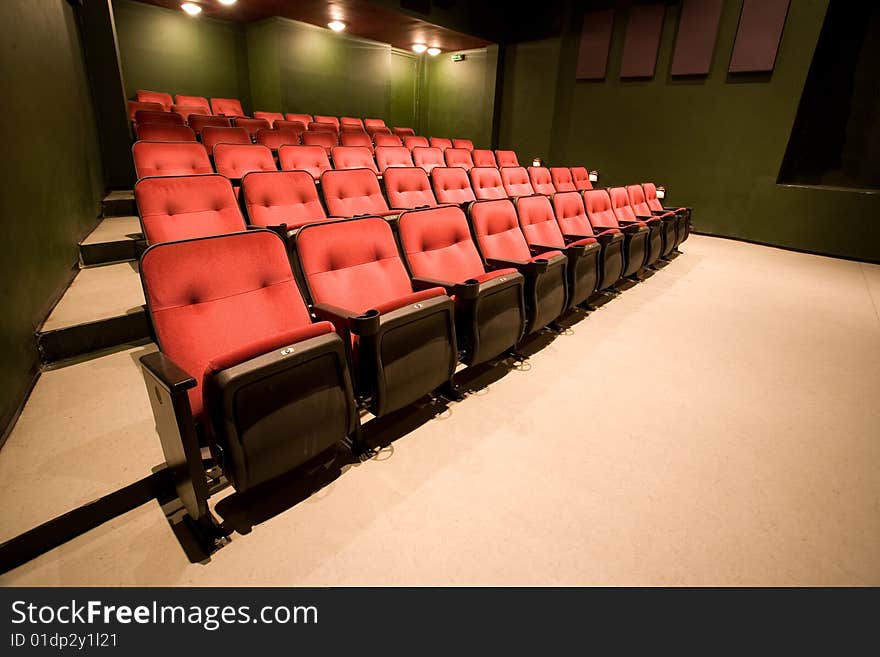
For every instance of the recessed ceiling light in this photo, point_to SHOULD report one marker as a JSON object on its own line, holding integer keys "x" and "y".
{"x": 226, "y": 2}
{"x": 419, "y": 47}
{"x": 336, "y": 26}
{"x": 434, "y": 51}
{"x": 191, "y": 8}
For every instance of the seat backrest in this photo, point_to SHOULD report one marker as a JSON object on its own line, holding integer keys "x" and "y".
{"x": 136, "y": 106}
{"x": 208, "y": 297}
{"x": 381, "y": 139}
{"x": 180, "y": 207}
{"x": 597, "y": 204}
{"x": 271, "y": 117}
{"x": 466, "y": 144}
{"x": 200, "y": 121}
{"x": 506, "y": 159}
{"x": 304, "y": 158}
{"x": 251, "y": 126}
{"x": 651, "y": 196}
{"x": 427, "y": 157}
{"x": 305, "y": 119}
{"x": 157, "y": 116}
{"x": 413, "y": 141}
{"x": 581, "y": 178}
{"x": 351, "y": 192}
{"x": 172, "y": 158}
{"x": 562, "y": 180}
{"x": 352, "y": 128}
{"x": 356, "y": 139}
{"x": 637, "y": 200}
{"x": 353, "y": 264}
{"x": 437, "y": 244}
{"x": 408, "y": 187}
{"x": 294, "y": 126}
{"x": 374, "y": 123}
{"x": 187, "y": 110}
{"x": 537, "y": 221}
{"x": 440, "y": 142}
{"x": 353, "y": 157}
{"x": 541, "y": 181}
{"x": 393, "y": 156}
{"x": 570, "y": 214}
{"x": 164, "y": 132}
{"x": 235, "y": 160}
{"x": 273, "y": 198}
{"x": 323, "y": 126}
{"x": 486, "y": 183}
{"x": 212, "y": 135}
{"x": 458, "y": 157}
{"x": 275, "y": 139}
{"x": 227, "y": 106}
{"x": 451, "y": 185}
{"x": 620, "y": 204}
{"x": 351, "y": 120}
{"x": 160, "y": 97}
{"x": 194, "y": 101}
{"x": 484, "y": 158}
{"x": 328, "y": 119}
{"x": 325, "y": 140}
{"x": 497, "y": 230}
{"x": 403, "y": 132}
{"x": 516, "y": 181}
{"x": 378, "y": 130}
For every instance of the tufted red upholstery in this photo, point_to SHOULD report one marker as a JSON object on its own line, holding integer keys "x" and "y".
{"x": 326, "y": 140}
{"x": 194, "y": 101}
{"x": 328, "y": 119}
{"x": 164, "y": 132}
{"x": 323, "y": 126}
{"x": 275, "y": 139}
{"x": 353, "y": 157}
{"x": 403, "y": 133}
{"x": 160, "y": 97}
{"x": 428, "y": 158}
{"x": 637, "y": 200}
{"x": 350, "y": 120}
{"x": 620, "y": 204}
{"x": 387, "y": 140}
{"x": 441, "y": 142}
{"x": 200, "y": 121}
{"x": 581, "y": 178}
{"x": 251, "y": 126}
{"x": 458, "y": 157}
{"x": 451, "y": 185}
{"x": 227, "y": 106}
{"x": 290, "y": 126}
{"x": 393, "y": 156}
{"x": 570, "y": 214}
{"x": 597, "y": 203}
{"x": 486, "y": 183}
{"x": 235, "y": 160}
{"x": 180, "y": 207}
{"x": 562, "y": 180}
{"x": 353, "y": 191}
{"x": 516, "y": 181}
{"x": 282, "y": 197}
{"x": 135, "y": 106}
{"x": 498, "y": 232}
{"x": 506, "y": 159}
{"x": 408, "y": 187}
{"x": 187, "y": 110}
{"x": 484, "y": 158}
{"x": 305, "y": 119}
{"x": 157, "y": 116}
{"x": 538, "y": 222}
{"x": 155, "y": 158}
{"x": 412, "y": 141}
{"x": 466, "y": 144}
{"x": 271, "y": 117}
{"x": 212, "y": 135}
{"x": 212, "y": 297}
{"x": 541, "y": 181}
{"x": 356, "y": 139}
{"x": 304, "y": 158}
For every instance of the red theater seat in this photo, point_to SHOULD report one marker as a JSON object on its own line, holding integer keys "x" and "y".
{"x": 240, "y": 363}
{"x": 135, "y": 106}
{"x": 312, "y": 159}
{"x": 323, "y": 126}
{"x": 351, "y": 121}
{"x": 626, "y": 217}
{"x": 200, "y": 121}
{"x": 157, "y": 116}
{"x": 271, "y": 117}
{"x": 305, "y": 119}
{"x": 506, "y": 159}
{"x": 669, "y": 222}
{"x": 251, "y": 125}
{"x": 486, "y": 183}
{"x": 212, "y": 136}
{"x": 379, "y": 130}
{"x": 601, "y": 215}
{"x": 353, "y": 192}
{"x": 538, "y": 224}
{"x": 187, "y": 110}
{"x": 181, "y": 207}
{"x": 428, "y": 158}
{"x": 194, "y": 101}
{"x": 484, "y": 158}
{"x": 324, "y": 139}
{"x": 683, "y": 215}
{"x": 292, "y": 126}
{"x": 440, "y": 142}
{"x": 393, "y": 156}
{"x": 562, "y": 180}
{"x": 581, "y": 178}
{"x": 451, "y": 185}
{"x": 414, "y": 141}
{"x": 402, "y": 341}
{"x": 372, "y": 125}
{"x": 458, "y": 157}
{"x": 403, "y": 133}
{"x": 154, "y": 158}
{"x": 353, "y": 157}
{"x": 227, "y": 107}
{"x": 353, "y": 129}
{"x": 356, "y": 139}
{"x": 503, "y": 246}
{"x": 466, "y": 144}
{"x": 160, "y": 97}
{"x": 275, "y": 139}
{"x": 408, "y": 188}
{"x": 235, "y": 160}
{"x": 489, "y": 306}
{"x": 516, "y": 181}
{"x": 164, "y": 132}
{"x": 381, "y": 139}
{"x": 541, "y": 181}
{"x": 332, "y": 120}
{"x": 281, "y": 198}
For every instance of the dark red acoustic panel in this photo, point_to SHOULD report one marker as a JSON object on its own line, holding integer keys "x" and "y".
{"x": 758, "y": 36}
{"x": 697, "y": 32}
{"x": 595, "y": 41}
{"x": 643, "y": 30}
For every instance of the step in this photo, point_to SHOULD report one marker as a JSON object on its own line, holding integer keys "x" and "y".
{"x": 114, "y": 239}
{"x": 119, "y": 203}
{"x": 102, "y": 308}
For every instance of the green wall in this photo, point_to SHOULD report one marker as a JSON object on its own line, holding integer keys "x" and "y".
{"x": 167, "y": 50}
{"x": 406, "y": 71}
{"x": 52, "y": 193}
{"x": 716, "y": 142}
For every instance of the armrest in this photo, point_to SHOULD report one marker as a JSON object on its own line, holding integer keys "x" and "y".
{"x": 422, "y": 283}
{"x": 167, "y": 372}
{"x": 340, "y": 317}
{"x": 627, "y": 227}
{"x": 527, "y": 268}
{"x": 537, "y": 249}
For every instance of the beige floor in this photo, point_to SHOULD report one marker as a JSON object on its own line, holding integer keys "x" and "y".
{"x": 716, "y": 424}
{"x": 115, "y": 229}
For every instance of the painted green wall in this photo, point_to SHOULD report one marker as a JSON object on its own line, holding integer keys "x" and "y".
{"x": 716, "y": 142}
{"x": 51, "y": 194}
{"x": 167, "y": 50}
{"x": 264, "y": 65}
{"x": 405, "y": 80}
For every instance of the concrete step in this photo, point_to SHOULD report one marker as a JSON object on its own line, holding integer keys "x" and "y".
{"x": 114, "y": 239}
{"x": 102, "y": 308}
{"x": 119, "y": 203}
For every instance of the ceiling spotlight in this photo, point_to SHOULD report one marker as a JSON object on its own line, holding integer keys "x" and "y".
{"x": 419, "y": 47}
{"x": 226, "y": 2}
{"x": 434, "y": 51}
{"x": 191, "y": 8}
{"x": 336, "y": 26}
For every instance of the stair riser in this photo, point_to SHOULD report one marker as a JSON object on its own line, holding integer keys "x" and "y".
{"x": 103, "y": 253}
{"x": 73, "y": 341}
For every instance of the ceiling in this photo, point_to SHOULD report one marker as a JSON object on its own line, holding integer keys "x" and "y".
{"x": 364, "y": 19}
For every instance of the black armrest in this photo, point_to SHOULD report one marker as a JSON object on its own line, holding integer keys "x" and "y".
{"x": 362, "y": 324}
{"x": 167, "y": 372}
{"x": 627, "y": 228}
{"x": 528, "y": 268}
{"x": 543, "y": 248}
{"x": 421, "y": 283}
